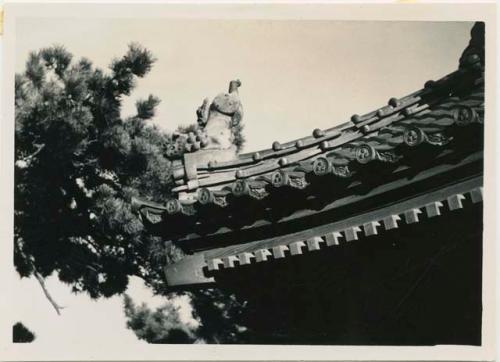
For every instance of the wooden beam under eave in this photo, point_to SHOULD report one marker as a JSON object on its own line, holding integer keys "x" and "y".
{"x": 189, "y": 271}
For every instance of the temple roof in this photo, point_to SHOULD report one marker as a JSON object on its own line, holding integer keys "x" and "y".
{"x": 388, "y": 140}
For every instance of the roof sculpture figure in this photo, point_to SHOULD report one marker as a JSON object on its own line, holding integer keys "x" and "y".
{"x": 224, "y": 112}
{"x": 324, "y": 189}
{"x": 216, "y": 121}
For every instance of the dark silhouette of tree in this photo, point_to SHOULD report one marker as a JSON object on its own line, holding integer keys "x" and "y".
{"x": 78, "y": 163}
{"x": 21, "y": 334}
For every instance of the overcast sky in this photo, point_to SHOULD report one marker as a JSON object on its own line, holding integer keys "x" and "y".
{"x": 296, "y": 76}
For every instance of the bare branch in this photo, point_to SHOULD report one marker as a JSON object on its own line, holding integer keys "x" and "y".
{"x": 40, "y": 279}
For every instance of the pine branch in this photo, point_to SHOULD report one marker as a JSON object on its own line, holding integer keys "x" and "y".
{"x": 23, "y": 162}
{"x": 146, "y": 108}
{"x": 40, "y": 279}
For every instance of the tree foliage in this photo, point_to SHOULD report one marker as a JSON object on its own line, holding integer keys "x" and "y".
{"x": 21, "y": 334}
{"x": 160, "y": 326}
{"x": 219, "y": 317}
{"x": 78, "y": 163}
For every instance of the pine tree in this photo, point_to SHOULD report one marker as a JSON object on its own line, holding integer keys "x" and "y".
{"x": 77, "y": 165}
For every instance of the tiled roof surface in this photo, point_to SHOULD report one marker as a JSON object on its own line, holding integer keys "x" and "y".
{"x": 430, "y": 117}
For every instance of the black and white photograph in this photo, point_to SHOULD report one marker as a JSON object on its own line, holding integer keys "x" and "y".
{"x": 252, "y": 177}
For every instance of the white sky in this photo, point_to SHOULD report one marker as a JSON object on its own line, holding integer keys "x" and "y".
{"x": 296, "y": 76}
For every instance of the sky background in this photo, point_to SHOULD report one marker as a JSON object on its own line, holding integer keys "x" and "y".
{"x": 296, "y": 76}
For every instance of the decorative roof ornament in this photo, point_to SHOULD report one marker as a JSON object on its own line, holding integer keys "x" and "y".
{"x": 473, "y": 56}
{"x": 218, "y": 119}
{"x": 216, "y": 124}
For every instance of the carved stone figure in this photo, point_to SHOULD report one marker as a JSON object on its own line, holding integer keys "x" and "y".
{"x": 216, "y": 122}
{"x": 224, "y": 113}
